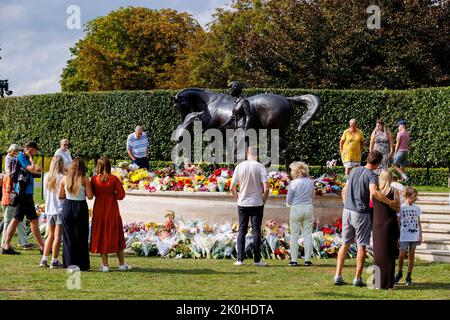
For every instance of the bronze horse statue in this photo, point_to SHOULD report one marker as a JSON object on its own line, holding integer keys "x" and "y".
{"x": 270, "y": 111}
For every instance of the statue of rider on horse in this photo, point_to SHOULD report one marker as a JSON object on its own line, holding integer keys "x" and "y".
{"x": 242, "y": 113}
{"x": 234, "y": 111}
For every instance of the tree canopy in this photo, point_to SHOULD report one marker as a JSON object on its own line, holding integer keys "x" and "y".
{"x": 130, "y": 48}
{"x": 267, "y": 43}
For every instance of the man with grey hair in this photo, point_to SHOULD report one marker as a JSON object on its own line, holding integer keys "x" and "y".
{"x": 251, "y": 176}
{"x": 64, "y": 153}
{"x": 138, "y": 147}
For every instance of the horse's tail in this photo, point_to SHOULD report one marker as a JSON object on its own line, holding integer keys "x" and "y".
{"x": 313, "y": 104}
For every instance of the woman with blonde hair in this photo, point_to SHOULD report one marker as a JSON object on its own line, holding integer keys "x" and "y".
{"x": 107, "y": 229}
{"x": 300, "y": 198}
{"x": 385, "y": 230}
{"x": 53, "y": 209}
{"x": 75, "y": 188}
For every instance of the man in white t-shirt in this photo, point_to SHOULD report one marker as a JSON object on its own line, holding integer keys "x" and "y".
{"x": 252, "y": 177}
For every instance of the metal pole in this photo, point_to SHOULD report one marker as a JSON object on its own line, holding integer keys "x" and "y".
{"x": 42, "y": 177}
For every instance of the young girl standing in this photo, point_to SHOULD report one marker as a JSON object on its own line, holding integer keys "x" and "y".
{"x": 410, "y": 233}
{"x": 53, "y": 208}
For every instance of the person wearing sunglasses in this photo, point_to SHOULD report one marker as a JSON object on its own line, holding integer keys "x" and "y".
{"x": 64, "y": 153}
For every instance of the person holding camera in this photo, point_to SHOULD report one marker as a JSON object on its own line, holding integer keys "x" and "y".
{"x": 64, "y": 153}
{"x": 22, "y": 196}
{"x": 8, "y": 209}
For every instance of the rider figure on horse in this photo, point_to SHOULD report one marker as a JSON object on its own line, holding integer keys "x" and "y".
{"x": 242, "y": 113}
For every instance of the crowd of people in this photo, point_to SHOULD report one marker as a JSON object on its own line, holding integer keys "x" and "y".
{"x": 66, "y": 188}
{"x": 352, "y": 146}
{"x": 375, "y": 205}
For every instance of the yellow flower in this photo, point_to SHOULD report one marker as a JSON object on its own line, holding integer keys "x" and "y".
{"x": 199, "y": 179}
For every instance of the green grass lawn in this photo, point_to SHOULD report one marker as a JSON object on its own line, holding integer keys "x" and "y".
{"x": 186, "y": 279}
{"x": 432, "y": 189}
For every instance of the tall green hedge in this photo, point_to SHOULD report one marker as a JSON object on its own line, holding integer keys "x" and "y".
{"x": 98, "y": 123}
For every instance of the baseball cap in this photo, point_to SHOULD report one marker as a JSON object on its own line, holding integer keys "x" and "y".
{"x": 401, "y": 123}
{"x": 32, "y": 144}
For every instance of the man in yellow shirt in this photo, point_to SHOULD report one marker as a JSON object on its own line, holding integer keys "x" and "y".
{"x": 352, "y": 145}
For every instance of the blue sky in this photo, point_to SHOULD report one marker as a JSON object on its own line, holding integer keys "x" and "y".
{"x": 35, "y": 40}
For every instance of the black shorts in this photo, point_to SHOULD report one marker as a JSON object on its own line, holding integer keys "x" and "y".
{"x": 25, "y": 208}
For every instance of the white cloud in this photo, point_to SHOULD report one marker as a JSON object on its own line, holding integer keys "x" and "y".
{"x": 47, "y": 85}
{"x": 11, "y": 12}
{"x": 35, "y": 42}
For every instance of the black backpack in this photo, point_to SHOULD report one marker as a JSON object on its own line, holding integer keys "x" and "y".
{"x": 19, "y": 175}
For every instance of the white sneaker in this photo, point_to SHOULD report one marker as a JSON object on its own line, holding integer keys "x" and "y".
{"x": 104, "y": 268}
{"x": 238, "y": 263}
{"x": 260, "y": 264}
{"x": 124, "y": 267}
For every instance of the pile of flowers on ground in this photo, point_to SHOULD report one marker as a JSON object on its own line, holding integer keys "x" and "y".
{"x": 195, "y": 239}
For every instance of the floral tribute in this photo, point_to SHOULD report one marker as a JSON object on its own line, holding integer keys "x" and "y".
{"x": 196, "y": 239}
{"x": 278, "y": 182}
{"x": 192, "y": 178}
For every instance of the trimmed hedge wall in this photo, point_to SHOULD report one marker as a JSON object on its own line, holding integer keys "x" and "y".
{"x": 98, "y": 123}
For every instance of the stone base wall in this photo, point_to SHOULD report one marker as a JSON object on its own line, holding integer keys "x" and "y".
{"x": 215, "y": 207}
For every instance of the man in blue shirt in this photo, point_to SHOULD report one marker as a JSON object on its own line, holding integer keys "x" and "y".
{"x": 138, "y": 148}
{"x": 24, "y": 204}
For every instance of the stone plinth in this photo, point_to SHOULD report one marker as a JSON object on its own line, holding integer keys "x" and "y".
{"x": 214, "y": 207}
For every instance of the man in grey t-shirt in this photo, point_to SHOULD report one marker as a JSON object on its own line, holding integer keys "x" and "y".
{"x": 362, "y": 183}
{"x": 251, "y": 176}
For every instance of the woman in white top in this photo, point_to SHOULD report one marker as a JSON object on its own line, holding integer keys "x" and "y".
{"x": 64, "y": 152}
{"x": 300, "y": 198}
{"x": 53, "y": 209}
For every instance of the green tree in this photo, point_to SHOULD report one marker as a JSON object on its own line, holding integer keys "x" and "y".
{"x": 130, "y": 48}
{"x": 326, "y": 44}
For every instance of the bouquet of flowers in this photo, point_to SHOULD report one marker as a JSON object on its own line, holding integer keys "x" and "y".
{"x": 138, "y": 174}
{"x": 328, "y": 183}
{"x": 221, "y": 178}
{"x": 278, "y": 182}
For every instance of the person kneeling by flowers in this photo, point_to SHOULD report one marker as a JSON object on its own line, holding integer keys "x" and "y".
{"x": 300, "y": 198}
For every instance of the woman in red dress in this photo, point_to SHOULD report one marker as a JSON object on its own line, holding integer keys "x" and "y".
{"x": 107, "y": 229}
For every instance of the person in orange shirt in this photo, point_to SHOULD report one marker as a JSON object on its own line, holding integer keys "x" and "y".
{"x": 8, "y": 211}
